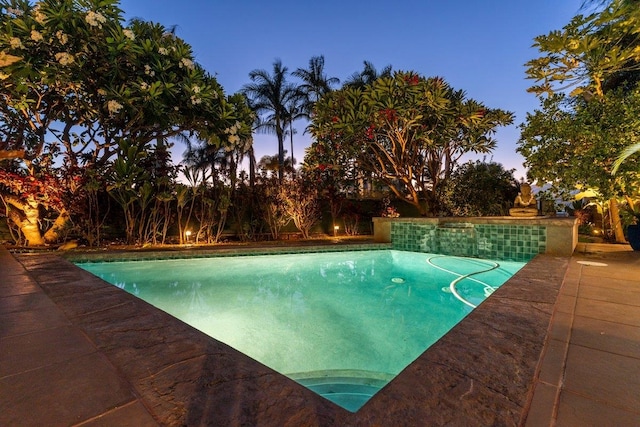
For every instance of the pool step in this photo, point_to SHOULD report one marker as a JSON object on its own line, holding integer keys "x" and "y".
{"x": 349, "y": 392}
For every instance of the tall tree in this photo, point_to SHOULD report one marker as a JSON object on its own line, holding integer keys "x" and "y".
{"x": 575, "y": 138}
{"x": 406, "y": 130}
{"x": 269, "y": 95}
{"x": 315, "y": 82}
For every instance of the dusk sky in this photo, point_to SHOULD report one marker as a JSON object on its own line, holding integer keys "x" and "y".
{"x": 477, "y": 46}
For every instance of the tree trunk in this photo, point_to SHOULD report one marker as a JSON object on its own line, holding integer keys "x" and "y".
{"x": 280, "y": 135}
{"x": 30, "y": 224}
{"x": 55, "y": 232}
{"x": 293, "y": 169}
{"x": 252, "y": 168}
{"x": 616, "y": 224}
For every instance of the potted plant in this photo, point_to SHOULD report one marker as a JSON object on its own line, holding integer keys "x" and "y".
{"x": 633, "y": 230}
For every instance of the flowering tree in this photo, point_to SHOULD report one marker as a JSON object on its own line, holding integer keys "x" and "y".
{"x": 407, "y": 131}
{"x": 84, "y": 83}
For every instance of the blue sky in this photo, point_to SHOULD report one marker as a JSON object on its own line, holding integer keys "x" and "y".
{"x": 477, "y": 46}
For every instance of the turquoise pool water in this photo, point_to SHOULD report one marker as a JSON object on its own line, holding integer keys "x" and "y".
{"x": 341, "y": 323}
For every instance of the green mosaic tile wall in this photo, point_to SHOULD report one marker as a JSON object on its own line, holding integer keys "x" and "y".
{"x": 501, "y": 242}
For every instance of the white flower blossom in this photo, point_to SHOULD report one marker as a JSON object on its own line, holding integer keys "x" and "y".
{"x": 64, "y": 58}
{"x": 234, "y": 139}
{"x": 148, "y": 71}
{"x": 16, "y": 43}
{"x": 144, "y": 86}
{"x": 195, "y": 100}
{"x": 129, "y": 34}
{"x": 38, "y": 16}
{"x": 184, "y": 62}
{"x": 62, "y": 37}
{"x": 36, "y": 36}
{"x": 163, "y": 51}
{"x": 95, "y": 19}
{"x": 113, "y": 106}
{"x": 102, "y": 92}
{"x": 195, "y": 89}
{"x": 175, "y": 108}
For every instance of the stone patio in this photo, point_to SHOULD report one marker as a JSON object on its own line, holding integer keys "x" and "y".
{"x": 559, "y": 344}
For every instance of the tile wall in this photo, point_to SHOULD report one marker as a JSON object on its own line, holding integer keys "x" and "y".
{"x": 491, "y": 241}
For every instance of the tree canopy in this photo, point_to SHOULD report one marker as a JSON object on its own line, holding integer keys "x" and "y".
{"x": 405, "y": 130}
{"x": 573, "y": 143}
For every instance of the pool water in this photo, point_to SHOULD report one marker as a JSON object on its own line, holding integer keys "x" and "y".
{"x": 343, "y": 324}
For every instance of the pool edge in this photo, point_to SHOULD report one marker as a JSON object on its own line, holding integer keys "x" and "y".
{"x": 196, "y": 379}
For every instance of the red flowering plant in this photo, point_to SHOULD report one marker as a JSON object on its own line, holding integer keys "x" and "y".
{"x": 24, "y": 195}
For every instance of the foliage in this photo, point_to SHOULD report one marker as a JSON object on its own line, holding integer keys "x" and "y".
{"x": 632, "y": 210}
{"x": 593, "y": 52}
{"x": 573, "y": 143}
{"x": 481, "y": 189}
{"x": 85, "y": 83}
{"x": 405, "y": 130}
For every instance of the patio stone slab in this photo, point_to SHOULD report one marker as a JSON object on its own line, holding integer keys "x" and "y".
{"x": 62, "y": 394}
{"x": 608, "y": 311}
{"x": 34, "y": 301}
{"x": 27, "y": 313}
{"x": 552, "y": 367}
{"x": 611, "y": 337}
{"x": 603, "y": 377}
{"x": 541, "y": 411}
{"x": 629, "y": 295}
{"x": 576, "y": 410}
{"x": 561, "y": 325}
{"x": 17, "y": 285}
{"x": 37, "y": 349}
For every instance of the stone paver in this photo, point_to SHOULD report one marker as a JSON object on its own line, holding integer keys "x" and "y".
{"x": 50, "y": 372}
{"x": 591, "y": 362}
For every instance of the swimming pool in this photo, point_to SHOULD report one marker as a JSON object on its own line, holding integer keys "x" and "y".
{"x": 341, "y": 323}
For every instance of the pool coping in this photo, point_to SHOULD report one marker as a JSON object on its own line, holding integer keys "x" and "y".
{"x": 185, "y": 377}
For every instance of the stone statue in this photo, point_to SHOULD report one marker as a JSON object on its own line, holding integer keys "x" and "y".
{"x": 525, "y": 204}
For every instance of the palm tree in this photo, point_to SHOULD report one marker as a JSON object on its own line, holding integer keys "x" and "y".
{"x": 367, "y": 76}
{"x": 315, "y": 82}
{"x": 269, "y": 94}
{"x": 296, "y": 109}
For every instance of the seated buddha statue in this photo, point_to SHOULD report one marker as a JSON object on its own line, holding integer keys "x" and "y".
{"x": 525, "y": 204}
